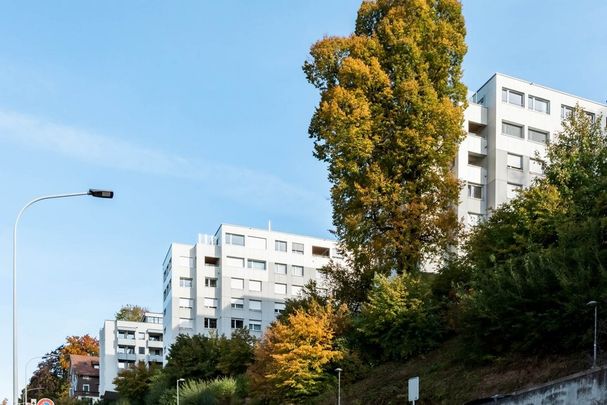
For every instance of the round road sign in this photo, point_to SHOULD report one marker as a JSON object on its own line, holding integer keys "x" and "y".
{"x": 45, "y": 401}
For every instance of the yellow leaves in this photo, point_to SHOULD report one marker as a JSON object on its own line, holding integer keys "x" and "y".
{"x": 84, "y": 345}
{"x": 292, "y": 355}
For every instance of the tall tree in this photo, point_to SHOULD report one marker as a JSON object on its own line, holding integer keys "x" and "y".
{"x": 83, "y": 345}
{"x": 134, "y": 384}
{"x": 389, "y": 124}
{"x": 133, "y": 313}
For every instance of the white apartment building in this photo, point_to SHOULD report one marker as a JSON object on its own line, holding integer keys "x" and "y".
{"x": 124, "y": 343}
{"x": 239, "y": 277}
{"x": 509, "y": 121}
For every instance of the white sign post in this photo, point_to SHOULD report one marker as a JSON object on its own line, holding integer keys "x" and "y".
{"x": 413, "y": 389}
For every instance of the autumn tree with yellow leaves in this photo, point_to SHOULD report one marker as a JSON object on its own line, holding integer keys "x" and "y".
{"x": 293, "y": 360}
{"x": 388, "y": 125}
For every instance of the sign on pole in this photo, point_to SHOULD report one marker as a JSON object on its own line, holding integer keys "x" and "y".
{"x": 45, "y": 401}
{"x": 413, "y": 389}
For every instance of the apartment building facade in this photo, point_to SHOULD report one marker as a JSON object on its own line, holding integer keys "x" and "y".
{"x": 239, "y": 277}
{"x": 122, "y": 344}
{"x": 509, "y": 122}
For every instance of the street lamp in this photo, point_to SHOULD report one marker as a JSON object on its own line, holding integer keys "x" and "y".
{"x": 178, "y": 381}
{"x": 595, "y": 305}
{"x": 25, "y": 374}
{"x": 339, "y": 370}
{"x": 91, "y": 192}
{"x": 31, "y": 389}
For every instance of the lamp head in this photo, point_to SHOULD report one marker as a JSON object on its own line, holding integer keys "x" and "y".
{"x": 181, "y": 380}
{"x": 101, "y": 193}
{"x": 338, "y": 370}
{"x": 592, "y": 304}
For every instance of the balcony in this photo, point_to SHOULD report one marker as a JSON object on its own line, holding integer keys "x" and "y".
{"x": 476, "y": 144}
{"x": 155, "y": 344}
{"x": 127, "y": 356}
{"x": 476, "y": 114}
{"x": 126, "y": 341}
{"x": 475, "y": 174}
{"x": 155, "y": 358}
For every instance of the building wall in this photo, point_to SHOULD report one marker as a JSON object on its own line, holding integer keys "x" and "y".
{"x": 484, "y": 155}
{"x": 190, "y": 309}
{"x": 113, "y": 356}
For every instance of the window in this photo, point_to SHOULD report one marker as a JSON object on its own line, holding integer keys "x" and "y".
{"x": 155, "y": 337}
{"x": 512, "y": 129}
{"x": 237, "y": 323}
{"x": 257, "y": 243}
{"x": 512, "y": 190}
{"x": 474, "y": 219}
{"x": 142, "y": 350}
{"x": 256, "y": 264}
{"x": 296, "y": 289}
{"x": 321, "y": 251}
{"x": 590, "y": 115}
{"x": 210, "y": 282}
{"x": 475, "y": 191}
{"x": 185, "y": 282}
{"x": 513, "y": 97}
{"x": 279, "y": 307}
{"x": 237, "y": 283}
{"x": 539, "y": 104}
{"x": 255, "y": 325}
{"x": 280, "y": 288}
{"x": 538, "y": 136}
{"x": 125, "y": 349}
{"x": 234, "y": 239}
{"x": 237, "y": 303}
{"x": 515, "y": 161}
{"x": 210, "y": 323}
{"x": 86, "y": 387}
{"x": 126, "y": 334}
{"x": 298, "y": 248}
{"x": 565, "y": 111}
{"x": 535, "y": 166}
{"x": 186, "y": 303}
{"x": 141, "y": 335}
{"x": 297, "y": 271}
{"x": 280, "y": 268}
{"x": 210, "y": 302}
{"x": 254, "y": 285}
{"x": 235, "y": 261}
{"x": 255, "y": 305}
{"x": 186, "y": 323}
{"x": 280, "y": 246}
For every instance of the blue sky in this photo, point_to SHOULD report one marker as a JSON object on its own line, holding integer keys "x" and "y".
{"x": 195, "y": 113}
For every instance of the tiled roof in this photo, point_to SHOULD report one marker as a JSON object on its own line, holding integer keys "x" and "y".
{"x": 84, "y": 365}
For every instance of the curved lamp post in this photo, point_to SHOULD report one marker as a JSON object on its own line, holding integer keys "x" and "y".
{"x": 339, "y": 370}
{"x": 179, "y": 381}
{"x": 91, "y": 192}
{"x": 25, "y": 375}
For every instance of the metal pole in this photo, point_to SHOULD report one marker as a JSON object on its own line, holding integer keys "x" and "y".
{"x": 25, "y": 375}
{"x": 338, "y": 385}
{"x": 15, "y": 357}
{"x": 595, "y": 328}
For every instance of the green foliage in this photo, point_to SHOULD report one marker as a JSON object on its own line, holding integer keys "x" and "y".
{"x": 133, "y": 313}
{"x": 213, "y": 392}
{"x": 400, "y": 318}
{"x": 389, "y": 125}
{"x": 193, "y": 357}
{"x": 539, "y": 259}
{"x": 134, "y": 384}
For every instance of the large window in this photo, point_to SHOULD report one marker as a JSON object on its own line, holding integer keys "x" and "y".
{"x": 279, "y": 307}
{"x": 256, "y": 264}
{"x": 474, "y": 219}
{"x": 254, "y": 285}
{"x": 280, "y": 288}
{"x": 257, "y": 243}
{"x": 512, "y": 129}
{"x": 298, "y": 271}
{"x": 590, "y": 115}
{"x": 237, "y": 323}
{"x": 210, "y": 302}
{"x": 565, "y": 111}
{"x": 210, "y": 282}
{"x": 512, "y": 190}
{"x": 185, "y": 282}
{"x": 280, "y": 268}
{"x": 296, "y": 289}
{"x": 186, "y": 323}
{"x": 255, "y": 325}
{"x": 237, "y": 303}
{"x": 237, "y": 283}
{"x": 186, "y": 303}
{"x": 513, "y": 97}
{"x": 298, "y": 248}
{"x": 475, "y": 191}
{"x": 536, "y": 135}
{"x": 210, "y": 323}
{"x": 539, "y": 104}
{"x": 234, "y": 239}
{"x": 535, "y": 166}
{"x": 235, "y": 261}
{"x": 280, "y": 246}
{"x": 515, "y": 161}
{"x": 255, "y": 305}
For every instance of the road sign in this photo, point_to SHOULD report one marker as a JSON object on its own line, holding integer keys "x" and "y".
{"x": 45, "y": 401}
{"x": 413, "y": 389}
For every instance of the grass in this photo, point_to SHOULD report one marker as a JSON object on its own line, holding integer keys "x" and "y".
{"x": 445, "y": 379}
